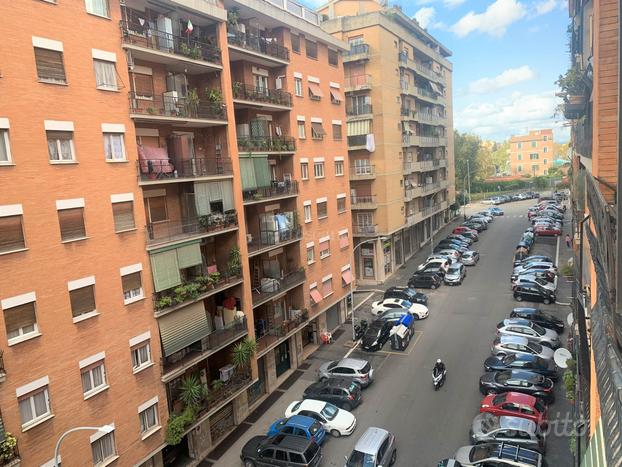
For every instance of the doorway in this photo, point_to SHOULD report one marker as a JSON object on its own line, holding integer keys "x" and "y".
{"x": 281, "y": 357}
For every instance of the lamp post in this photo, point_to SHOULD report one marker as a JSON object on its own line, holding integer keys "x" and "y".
{"x": 469, "y": 178}
{"x": 103, "y": 429}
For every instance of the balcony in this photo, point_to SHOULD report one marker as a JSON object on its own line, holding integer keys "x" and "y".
{"x": 423, "y": 141}
{"x": 274, "y": 335}
{"x": 156, "y": 171}
{"x": 262, "y": 50}
{"x": 356, "y": 52}
{"x": 174, "y": 231}
{"x": 430, "y": 119}
{"x": 278, "y": 190}
{"x": 430, "y": 210}
{"x": 266, "y": 144}
{"x": 2, "y": 370}
{"x": 582, "y": 137}
{"x": 363, "y": 202}
{"x": 363, "y": 172}
{"x": 429, "y": 96}
{"x": 262, "y": 98}
{"x": 428, "y": 73}
{"x": 365, "y": 230}
{"x": 357, "y": 83}
{"x": 168, "y": 108}
{"x": 357, "y": 142}
{"x": 273, "y": 288}
{"x": 177, "y": 53}
{"x": 360, "y": 110}
{"x": 410, "y": 194}
{"x": 268, "y": 240}
{"x": 173, "y": 365}
{"x": 430, "y": 187}
{"x": 408, "y": 167}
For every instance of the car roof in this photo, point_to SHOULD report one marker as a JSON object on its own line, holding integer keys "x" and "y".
{"x": 356, "y": 363}
{"x": 519, "y": 397}
{"x": 517, "y": 423}
{"x": 514, "y": 340}
{"x": 311, "y": 404}
{"x": 516, "y": 322}
{"x": 295, "y": 443}
{"x": 300, "y": 421}
{"x": 396, "y": 301}
{"x": 370, "y": 440}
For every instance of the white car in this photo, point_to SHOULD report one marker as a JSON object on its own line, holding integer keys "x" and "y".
{"x": 391, "y": 304}
{"x": 451, "y": 258}
{"x": 449, "y": 252}
{"x": 336, "y": 421}
{"x": 532, "y": 278}
{"x": 440, "y": 263}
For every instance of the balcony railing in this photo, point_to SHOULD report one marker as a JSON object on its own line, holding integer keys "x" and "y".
{"x": 429, "y": 73}
{"x": 272, "y": 287}
{"x": 582, "y": 137}
{"x": 362, "y": 109}
{"x": 362, "y": 172}
{"x": 268, "y": 238}
{"x": 357, "y": 82}
{"x": 266, "y": 144}
{"x": 145, "y": 36}
{"x": 276, "y": 333}
{"x": 365, "y": 229}
{"x": 276, "y": 190}
{"x": 257, "y": 44}
{"x": 357, "y": 51}
{"x": 247, "y": 92}
{"x": 357, "y": 141}
{"x": 9, "y": 455}
{"x": 171, "y": 231}
{"x": 363, "y": 202}
{"x": 431, "y": 186}
{"x": 176, "y": 107}
{"x": 163, "y": 169}
{"x": 2, "y": 370}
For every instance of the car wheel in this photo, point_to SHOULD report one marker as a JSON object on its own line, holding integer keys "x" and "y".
{"x": 519, "y": 298}
{"x": 248, "y": 463}
{"x": 335, "y": 433}
{"x": 546, "y": 301}
{"x": 323, "y": 378}
{"x": 346, "y": 406}
{"x": 433, "y": 286}
{"x": 393, "y": 457}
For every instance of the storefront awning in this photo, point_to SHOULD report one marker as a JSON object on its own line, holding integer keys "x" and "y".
{"x": 346, "y": 276}
{"x": 316, "y": 296}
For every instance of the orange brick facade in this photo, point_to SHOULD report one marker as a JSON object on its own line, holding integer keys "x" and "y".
{"x": 532, "y": 154}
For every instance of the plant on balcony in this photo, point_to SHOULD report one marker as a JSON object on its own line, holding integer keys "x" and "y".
{"x": 7, "y": 448}
{"x": 192, "y": 52}
{"x": 572, "y": 86}
{"x": 193, "y": 100}
{"x": 213, "y": 95}
{"x": 242, "y": 353}
{"x": 164, "y": 302}
{"x": 234, "y": 265}
{"x": 193, "y": 392}
{"x": 237, "y": 87}
{"x": 177, "y": 425}
{"x": 204, "y": 283}
{"x": 233, "y": 14}
{"x": 151, "y": 110}
{"x": 217, "y": 385}
{"x": 570, "y": 379}
{"x": 214, "y": 277}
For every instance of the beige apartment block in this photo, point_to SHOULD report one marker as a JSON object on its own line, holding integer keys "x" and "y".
{"x": 532, "y": 154}
{"x": 399, "y": 130}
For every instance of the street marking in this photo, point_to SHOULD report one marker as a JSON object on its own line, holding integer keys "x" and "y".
{"x": 560, "y": 303}
{"x": 557, "y": 252}
{"x": 418, "y": 335}
{"x": 366, "y": 298}
{"x": 352, "y": 349}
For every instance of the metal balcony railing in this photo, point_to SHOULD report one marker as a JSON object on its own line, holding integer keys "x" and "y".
{"x": 365, "y": 229}
{"x": 582, "y": 137}
{"x": 357, "y": 49}
{"x": 174, "y": 230}
{"x": 162, "y": 169}
{"x": 362, "y": 171}
{"x": 363, "y": 202}
{"x": 274, "y": 334}
{"x": 272, "y": 287}
{"x": 163, "y": 105}
{"x": 362, "y": 109}
{"x": 267, "y": 144}
{"x": 257, "y": 44}
{"x": 264, "y": 95}
{"x": 357, "y": 82}
{"x": 268, "y": 238}
{"x": 275, "y": 190}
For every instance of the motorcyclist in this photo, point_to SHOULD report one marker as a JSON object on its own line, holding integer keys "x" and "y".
{"x": 439, "y": 367}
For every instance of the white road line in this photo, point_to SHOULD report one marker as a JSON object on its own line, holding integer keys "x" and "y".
{"x": 557, "y": 252}
{"x": 560, "y": 303}
{"x": 366, "y": 298}
{"x": 351, "y": 350}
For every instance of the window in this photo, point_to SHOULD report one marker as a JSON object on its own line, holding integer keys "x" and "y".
{"x": 318, "y": 169}
{"x": 307, "y": 209}
{"x": 304, "y": 170}
{"x": 20, "y": 318}
{"x": 97, "y": 7}
{"x": 82, "y": 302}
{"x": 341, "y": 205}
{"x": 545, "y": 161}
{"x": 322, "y": 210}
{"x": 338, "y": 168}
{"x": 534, "y": 144}
{"x": 337, "y": 132}
{"x": 324, "y": 249}
{"x": 50, "y": 67}
{"x": 5, "y": 148}
{"x": 11, "y": 231}
{"x": 296, "y": 43}
{"x": 311, "y": 48}
{"x": 520, "y": 145}
{"x": 35, "y": 406}
{"x": 298, "y": 86}
{"x": 141, "y": 356}
{"x": 310, "y": 254}
{"x": 301, "y": 130}
{"x": 93, "y": 379}
{"x": 327, "y": 287}
{"x": 533, "y": 156}
{"x": 344, "y": 241}
{"x": 520, "y": 168}
{"x": 142, "y": 84}
{"x": 105, "y": 75}
{"x": 114, "y": 147}
{"x": 317, "y": 131}
{"x": 132, "y": 287}
{"x": 546, "y": 138}
{"x": 149, "y": 418}
{"x": 103, "y": 448}
{"x": 534, "y": 168}
{"x": 60, "y": 146}
{"x": 520, "y": 156}
{"x": 156, "y": 209}
{"x": 333, "y": 57}
{"x": 545, "y": 149}
{"x": 71, "y": 223}
{"x": 123, "y": 213}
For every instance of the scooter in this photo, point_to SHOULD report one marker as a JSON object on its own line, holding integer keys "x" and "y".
{"x": 438, "y": 379}
{"x": 359, "y": 329}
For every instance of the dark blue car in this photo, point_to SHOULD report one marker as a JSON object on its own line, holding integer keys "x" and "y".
{"x": 299, "y": 425}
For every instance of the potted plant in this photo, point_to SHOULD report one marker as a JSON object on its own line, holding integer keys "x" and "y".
{"x": 570, "y": 379}
{"x": 234, "y": 265}
{"x": 237, "y": 87}
{"x": 164, "y": 302}
{"x": 177, "y": 425}
{"x": 233, "y": 14}
{"x": 242, "y": 353}
{"x": 193, "y": 101}
{"x": 214, "y": 277}
{"x": 193, "y": 392}
{"x": 7, "y": 448}
{"x": 572, "y": 86}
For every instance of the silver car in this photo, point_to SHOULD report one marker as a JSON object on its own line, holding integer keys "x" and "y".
{"x": 498, "y": 454}
{"x": 455, "y": 274}
{"x": 352, "y": 368}
{"x": 487, "y": 427}
{"x": 532, "y": 331}
{"x": 470, "y": 258}
{"x": 375, "y": 448}
{"x": 506, "y": 345}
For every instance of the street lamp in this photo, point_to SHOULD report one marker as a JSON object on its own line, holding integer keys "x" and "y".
{"x": 103, "y": 429}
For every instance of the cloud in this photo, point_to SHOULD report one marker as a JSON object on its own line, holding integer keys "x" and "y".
{"x": 447, "y": 3}
{"x": 425, "y": 16}
{"x": 509, "y": 77}
{"x": 545, "y": 6}
{"x": 494, "y": 21}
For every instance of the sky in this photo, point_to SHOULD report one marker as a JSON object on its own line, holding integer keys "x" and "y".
{"x": 506, "y": 56}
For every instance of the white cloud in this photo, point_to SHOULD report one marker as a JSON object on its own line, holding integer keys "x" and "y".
{"x": 545, "y": 6}
{"x": 447, "y": 3}
{"x": 509, "y": 77}
{"x": 494, "y": 21}
{"x": 425, "y": 16}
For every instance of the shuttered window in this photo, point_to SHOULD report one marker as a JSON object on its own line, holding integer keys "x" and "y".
{"x": 165, "y": 270}
{"x": 71, "y": 224}
{"x": 337, "y": 132}
{"x": 317, "y": 131}
{"x": 189, "y": 255}
{"x": 247, "y": 170}
{"x": 11, "y": 234}
{"x": 123, "y": 216}
{"x": 143, "y": 86}
{"x": 50, "y": 65}
{"x": 361, "y": 127}
{"x": 132, "y": 285}
{"x": 20, "y": 320}
{"x": 82, "y": 300}
{"x": 183, "y": 328}
{"x": 263, "y": 175}
{"x": 157, "y": 209}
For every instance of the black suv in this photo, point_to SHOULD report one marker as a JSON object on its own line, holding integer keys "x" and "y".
{"x": 534, "y": 293}
{"x": 377, "y": 334}
{"x": 281, "y": 450}
{"x": 406, "y": 293}
{"x": 342, "y": 392}
{"x": 425, "y": 279}
{"x": 537, "y": 316}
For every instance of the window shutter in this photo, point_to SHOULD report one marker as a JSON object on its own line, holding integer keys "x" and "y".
{"x": 131, "y": 281}
{"x": 261, "y": 166}
{"x": 11, "y": 233}
{"x": 19, "y": 317}
{"x": 247, "y": 170}
{"x": 71, "y": 223}
{"x": 143, "y": 85}
{"x": 201, "y": 198}
{"x": 157, "y": 209}
{"x": 50, "y": 64}
{"x": 61, "y": 135}
{"x": 82, "y": 300}
{"x": 123, "y": 216}
{"x": 189, "y": 255}
{"x": 165, "y": 270}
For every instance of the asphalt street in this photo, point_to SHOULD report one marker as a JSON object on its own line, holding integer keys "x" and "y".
{"x": 431, "y": 425}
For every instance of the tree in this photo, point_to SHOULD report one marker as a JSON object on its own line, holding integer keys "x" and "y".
{"x": 466, "y": 148}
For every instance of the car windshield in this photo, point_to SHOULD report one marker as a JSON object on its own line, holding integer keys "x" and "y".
{"x": 315, "y": 427}
{"x": 537, "y": 348}
{"x": 360, "y": 459}
{"x": 500, "y": 398}
{"x": 536, "y": 327}
{"x": 329, "y": 411}
{"x": 509, "y": 359}
{"x": 454, "y": 269}
{"x": 467, "y": 254}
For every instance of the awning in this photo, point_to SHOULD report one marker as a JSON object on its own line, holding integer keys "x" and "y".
{"x": 346, "y": 276}
{"x": 318, "y": 128}
{"x": 436, "y": 88}
{"x": 183, "y": 327}
{"x": 189, "y": 255}
{"x": 343, "y": 241}
{"x": 316, "y": 296}
{"x": 336, "y": 94}
{"x": 360, "y": 127}
{"x": 165, "y": 270}
{"x": 315, "y": 90}
{"x": 324, "y": 246}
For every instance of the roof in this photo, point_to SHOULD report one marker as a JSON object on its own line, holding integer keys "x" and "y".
{"x": 520, "y": 398}
{"x": 516, "y": 322}
{"x": 300, "y": 420}
{"x": 370, "y": 441}
{"x": 297, "y": 443}
{"x": 516, "y": 423}
{"x": 514, "y": 340}
{"x": 353, "y": 362}
{"x": 312, "y": 404}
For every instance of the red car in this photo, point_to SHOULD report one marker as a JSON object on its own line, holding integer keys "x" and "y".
{"x": 516, "y": 404}
{"x": 461, "y": 229}
{"x": 547, "y": 231}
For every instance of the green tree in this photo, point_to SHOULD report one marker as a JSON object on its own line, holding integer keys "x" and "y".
{"x": 466, "y": 148}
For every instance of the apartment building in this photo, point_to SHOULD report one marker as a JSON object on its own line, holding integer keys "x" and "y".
{"x": 532, "y": 154}
{"x": 591, "y": 104}
{"x": 399, "y": 130}
{"x": 187, "y": 191}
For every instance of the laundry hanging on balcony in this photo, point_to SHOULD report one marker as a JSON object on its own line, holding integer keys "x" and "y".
{"x": 370, "y": 143}
{"x": 436, "y": 88}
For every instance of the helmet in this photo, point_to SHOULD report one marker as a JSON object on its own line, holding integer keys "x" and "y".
{"x": 438, "y": 361}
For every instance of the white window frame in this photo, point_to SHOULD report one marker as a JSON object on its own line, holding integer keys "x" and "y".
{"x": 96, "y": 441}
{"x": 91, "y": 11}
{"x": 298, "y": 89}
{"x": 5, "y": 140}
{"x": 310, "y": 249}
{"x": 37, "y": 419}
{"x": 137, "y": 363}
{"x": 339, "y": 167}
{"x": 58, "y": 148}
{"x": 146, "y": 431}
{"x": 107, "y": 86}
{"x": 88, "y": 393}
{"x": 115, "y": 158}
{"x": 126, "y": 271}
{"x": 318, "y": 168}
{"x": 13, "y": 302}
{"x": 325, "y": 253}
{"x": 304, "y": 170}
{"x": 302, "y": 131}
{"x": 307, "y": 212}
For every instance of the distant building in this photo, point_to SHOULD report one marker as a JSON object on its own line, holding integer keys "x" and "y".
{"x": 532, "y": 154}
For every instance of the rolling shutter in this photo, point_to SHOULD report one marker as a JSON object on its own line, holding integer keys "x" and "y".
{"x": 165, "y": 270}
{"x": 50, "y": 64}
{"x": 11, "y": 233}
{"x": 19, "y": 317}
{"x": 263, "y": 177}
{"x": 183, "y": 327}
{"x": 361, "y": 127}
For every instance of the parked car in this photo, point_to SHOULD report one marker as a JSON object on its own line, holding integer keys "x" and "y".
{"x": 532, "y": 267}
{"x": 486, "y": 215}
{"x": 439, "y": 256}
{"x": 342, "y": 392}
{"x": 547, "y": 231}
{"x": 534, "y": 259}
{"x": 532, "y": 331}
{"x": 355, "y": 369}
{"x": 281, "y": 450}
{"x": 460, "y": 238}
{"x": 455, "y": 254}
{"x": 377, "y": 334}
{"x": 474, "y": 226}
{"x": 506, "y": 345}
{"x": 434, "y": 264}
{"x": 472, "y": 234}
{"x": 522, "y": 362}
{"x": 451, "y": 245}
{"x": 476, "y": 222}
{"x": 375, "y": 448}
{"x": 393, "y": 316}
{"x": 498, "y": 455}
{"x": 425, "y": 279}
{"x": 487, "y": 427}
{"x": 479, "y": 218}
{"x": 522, "y": 381}
{"x": 470, "y": 258}
{"x": 538, "y": 316}
{"x": 416, "y": 309}
{"x": 455, "y": 275}
{"x": 525, "y": 279}
{"x": 461, "y": 229}
{"x": 299, "y": 425}
{"x": 534, "y": 293}
{"x": 336, "y": 421}
{"x": 406, "y": 293}
{"x": 495, "y": 211}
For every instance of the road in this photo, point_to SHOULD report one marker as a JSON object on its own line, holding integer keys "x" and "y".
{"x": 431, "y": 425}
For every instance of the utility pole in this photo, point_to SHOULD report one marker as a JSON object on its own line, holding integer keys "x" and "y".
{"x": 469, "y": 178}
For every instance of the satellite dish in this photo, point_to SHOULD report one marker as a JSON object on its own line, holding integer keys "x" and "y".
{"x": 561, "y": 357}
{"x": 570, "y": 319}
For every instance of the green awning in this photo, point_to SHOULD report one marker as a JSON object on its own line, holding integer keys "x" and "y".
{"x": 183, "y": 327}
{"x": 189, "y": 255}
{"x": 263, "y": 176}
{"x": 165, "y": 270}
{"x": 247, "y": 171}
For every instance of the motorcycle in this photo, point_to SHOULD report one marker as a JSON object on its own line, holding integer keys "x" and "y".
{"x": 359, "y": 329}
{"x": 438, "y": 379}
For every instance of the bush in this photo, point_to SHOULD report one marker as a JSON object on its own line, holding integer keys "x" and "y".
{"x": 7, "y": 448}
{"x": 177, "y": 425}
{"x": 569, "y": 383}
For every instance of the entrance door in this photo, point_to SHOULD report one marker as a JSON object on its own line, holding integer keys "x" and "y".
{"x": 281, "y": 356}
